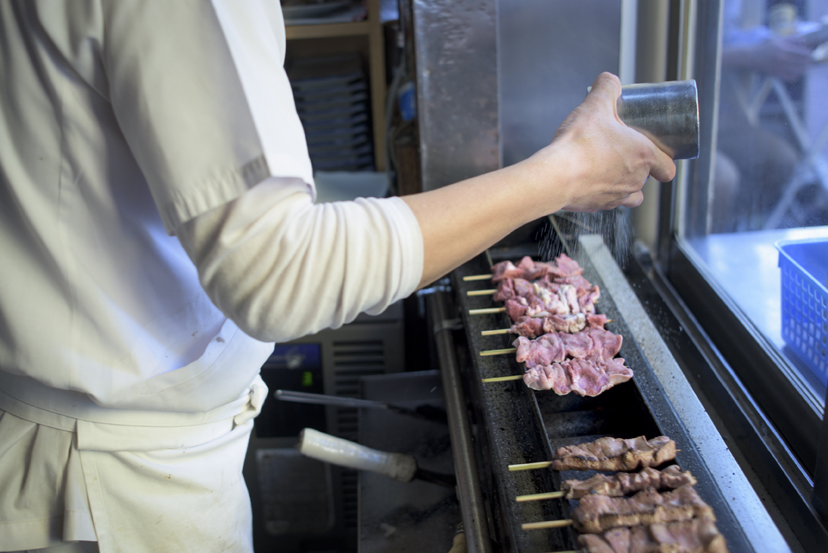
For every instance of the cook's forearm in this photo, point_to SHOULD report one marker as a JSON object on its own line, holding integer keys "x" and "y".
{"x": 281, "y": 267}
{"x": 461, "y": 220}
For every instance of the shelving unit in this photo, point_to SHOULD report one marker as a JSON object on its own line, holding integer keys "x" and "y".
{"x": 362, "y": 36}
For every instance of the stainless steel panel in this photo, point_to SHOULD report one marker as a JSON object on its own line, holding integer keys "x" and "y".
{"x": 548, "y": 53}
{"x": 456, "y": 57}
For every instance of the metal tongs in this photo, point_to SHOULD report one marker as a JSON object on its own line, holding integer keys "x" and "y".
{"x": 425, "y": 412}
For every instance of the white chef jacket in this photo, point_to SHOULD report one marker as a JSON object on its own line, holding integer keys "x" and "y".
{"x": 125, "y": 392}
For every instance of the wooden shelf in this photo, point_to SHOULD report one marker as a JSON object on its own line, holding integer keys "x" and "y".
{"x": 371, "y": 32}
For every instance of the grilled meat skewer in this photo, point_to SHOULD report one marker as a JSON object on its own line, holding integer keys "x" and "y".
{"x": 615, "y": 454}
{"x": 598, "y": 513}
{"x": 692, "y": 536}
{"x": 625, "y": 483}
{"x": 618, "y": 484}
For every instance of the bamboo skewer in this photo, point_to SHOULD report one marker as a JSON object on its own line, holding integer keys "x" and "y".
{"x": 530, "y": 466}
{"x": 508, "y": 330}
{"x": 481, "y": 292}
{"x": 546, "y": 524}
{"x": 539, "y": 496}
{"x": 504, "y": 378}
{"x": 490, "y": 352}
{"x": 494, "y": 332}
{"x": 487, "y": 310}
{"x": 469, "y": 278}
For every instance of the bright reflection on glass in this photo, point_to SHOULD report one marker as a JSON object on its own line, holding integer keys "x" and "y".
{"x": 770, "y": 169}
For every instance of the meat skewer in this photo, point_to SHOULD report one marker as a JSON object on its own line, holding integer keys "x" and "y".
{"x": 609, "y": 454}
{"x": 567, "y": 300}
{"x": 528, "y": 290}
{"x": 533, "y": 327}
{"x": 598, "y": 513}
{"x": 583, "y": 363}
{"x": 614, "y": 454}
{"x": 513, "y": 330}
{"x": 585, "y": 377}
{"x": 572, "y": 352}
{"x": 618, "y": 484}
{"x": 692, "y": 536}
{"x": 563, "y": 266}
{"x": 594, "y": 344}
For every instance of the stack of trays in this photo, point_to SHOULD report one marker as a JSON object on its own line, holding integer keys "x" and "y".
{"x": 332, "y": 99}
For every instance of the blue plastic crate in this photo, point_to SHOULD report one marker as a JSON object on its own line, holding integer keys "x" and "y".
{"x": 804, "y": 265}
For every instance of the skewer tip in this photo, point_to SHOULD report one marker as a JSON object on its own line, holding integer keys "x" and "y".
{"x": 504, "y": 378}
{"x": 503, "y": 351}
{"x": 530, "y": 466}
{"x": 546, "y": 524}
{"x": 539, "y": 496}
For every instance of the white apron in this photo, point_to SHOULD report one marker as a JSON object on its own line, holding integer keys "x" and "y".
{"x": 139, "y": 482}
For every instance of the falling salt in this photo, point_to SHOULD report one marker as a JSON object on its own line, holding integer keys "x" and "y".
{"x": 613, "y": 226}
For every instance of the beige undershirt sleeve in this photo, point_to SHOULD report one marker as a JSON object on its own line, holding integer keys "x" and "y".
{"x": 282, "y": 267}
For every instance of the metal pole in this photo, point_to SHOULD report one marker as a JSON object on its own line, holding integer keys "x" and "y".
{"x": 465, "y": 466}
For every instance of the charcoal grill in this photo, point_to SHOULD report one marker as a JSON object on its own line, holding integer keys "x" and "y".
{"x": 508, "y": 423}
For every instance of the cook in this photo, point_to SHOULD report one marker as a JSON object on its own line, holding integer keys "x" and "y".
{"x": 159, "y": 234}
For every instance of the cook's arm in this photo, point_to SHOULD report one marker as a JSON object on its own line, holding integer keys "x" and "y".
{"x": 594, "y": 162}
{"x": 281, "y": 267}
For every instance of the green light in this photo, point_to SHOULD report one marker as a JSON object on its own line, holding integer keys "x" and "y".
{"x": 307, "y": 378}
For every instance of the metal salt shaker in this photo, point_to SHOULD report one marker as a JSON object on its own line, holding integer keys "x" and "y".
{"x": 667, "y": 113}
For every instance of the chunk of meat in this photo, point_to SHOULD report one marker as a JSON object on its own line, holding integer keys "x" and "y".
{"x": 530, "y": 327}
{"x": 545, "y": 350}
{"x": 565, "y": 266}
{"x": 505, "y": 269}
{"x": 568, "y": 324}
{"x": 505, "y": 290}
{"x": 549, "y": 377}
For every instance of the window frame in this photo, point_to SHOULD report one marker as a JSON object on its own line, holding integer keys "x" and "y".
{"x": 775, "y": 423}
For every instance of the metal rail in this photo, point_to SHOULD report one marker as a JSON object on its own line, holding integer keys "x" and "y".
{"x": 478, "y": 539}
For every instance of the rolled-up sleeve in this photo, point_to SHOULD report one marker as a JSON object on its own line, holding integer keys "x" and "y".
{"x": 282, "y": 267}
{"x": 200, "y": 93}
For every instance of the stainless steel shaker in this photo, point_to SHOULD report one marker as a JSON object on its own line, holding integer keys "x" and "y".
{"x": 667, "y": 113}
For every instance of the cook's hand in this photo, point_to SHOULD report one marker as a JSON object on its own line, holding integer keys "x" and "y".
{"x": 606, "y": 162}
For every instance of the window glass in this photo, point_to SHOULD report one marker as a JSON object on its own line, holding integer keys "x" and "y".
{"x": 768, "y": 175}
